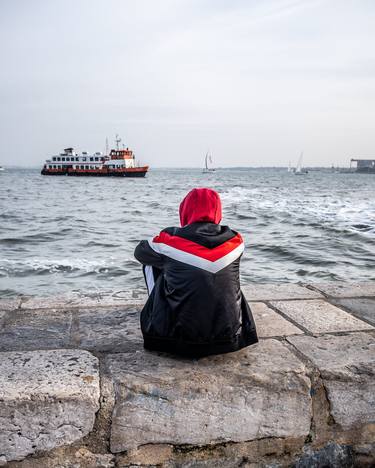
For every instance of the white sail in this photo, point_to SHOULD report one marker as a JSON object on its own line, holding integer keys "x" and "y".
{"x": 299, "y": 170}
{"x": 207, "y": 159}
{"x": 299, "y": 163}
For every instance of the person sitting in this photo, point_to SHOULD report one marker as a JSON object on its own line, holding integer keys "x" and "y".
{"x": 195, "y": 306}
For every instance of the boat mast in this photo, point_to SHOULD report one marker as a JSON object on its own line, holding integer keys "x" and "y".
{"x": 106, "y": 146}
{"x": 117, "y": 140}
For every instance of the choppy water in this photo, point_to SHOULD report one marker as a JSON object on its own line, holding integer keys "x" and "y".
{"x": 65, "y": 233}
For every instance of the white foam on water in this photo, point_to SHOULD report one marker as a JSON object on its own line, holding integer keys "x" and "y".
{"x": 53, "y": 265}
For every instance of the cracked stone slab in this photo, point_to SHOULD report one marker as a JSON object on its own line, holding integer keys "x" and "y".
{"x": 269, "y": 323}
{"x": 109, "y": 329}
{"x": 103, "y": 298}
{"x": 347, "y": 366}
{"x": 261, "y": 391}
{"x": 342, "y": 289}
{"x": 35, "y": 329}
{"x": 362, "y": 308}
{"x": 47, "y": 399}
{"x": 318, "y": 316}
{"x": 277, "y": 291}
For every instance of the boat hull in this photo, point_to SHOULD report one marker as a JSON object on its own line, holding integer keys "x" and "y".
{"x": 130, "y": 172}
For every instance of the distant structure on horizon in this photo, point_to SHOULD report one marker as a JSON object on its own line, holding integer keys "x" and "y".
{"x": 364, "y": 165}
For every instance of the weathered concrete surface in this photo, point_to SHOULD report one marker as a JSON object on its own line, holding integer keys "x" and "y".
{"x": 40, "y": 329}
{"x": 262, "y": 391}
{"x": 347, "y": 366}
{"x": 10, "y": 304}
{"x": 67, "y": 457}
{"x": 277, "y": 291}
{"x": 100, "y": 329}
{"x": 109, "y": 329}
{"x": 362, "y": 308}
{"x": 339, "y": 289}
{"x": 79, "y": 299}
{"x": 331, "y": 456}
{"x": 251, "y": 408}
{"x": 47, "y": 399}
{"x": 318, "y": 316}
{"x": 3, "y": 314}
{"x": 269, "y": 323}
{"x": 277, "y": 452}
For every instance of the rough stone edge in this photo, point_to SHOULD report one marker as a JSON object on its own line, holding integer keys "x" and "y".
{"x": 324, "y": 428}
{"x": 332, "y": 301}
{"x": 280, "y": 451}
{"x": 135, "y": 297}
{"x": 314, "y": 287}
{"x": 328, "y": 300}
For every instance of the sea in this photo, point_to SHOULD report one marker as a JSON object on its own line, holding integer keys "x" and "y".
{"x": 61, "y": 234}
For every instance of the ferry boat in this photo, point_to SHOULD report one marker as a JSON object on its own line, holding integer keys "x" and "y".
{"x": 119, "y": 163}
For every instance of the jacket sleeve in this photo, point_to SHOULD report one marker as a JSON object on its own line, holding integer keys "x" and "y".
{"x": 147, "y": 256}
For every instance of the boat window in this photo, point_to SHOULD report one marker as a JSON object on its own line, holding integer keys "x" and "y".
{"x": 96, "y": 159}
{"x": 59, "y": 159}
{"x": 77, "y": 159}
{"x": 83, "y": 159}
{"x": 91, "y": 159}
{"x": 53, "y": 159}
{"x": 62, "y": 159}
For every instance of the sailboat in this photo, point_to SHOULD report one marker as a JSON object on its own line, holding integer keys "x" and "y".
{"x": 299, "y": 170}
{"x": 207, "y": 159}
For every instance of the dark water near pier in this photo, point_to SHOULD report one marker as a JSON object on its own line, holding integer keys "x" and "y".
{"x": 64, "y": 233}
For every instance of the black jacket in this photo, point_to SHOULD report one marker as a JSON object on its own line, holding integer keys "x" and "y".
{"x": 195, "y": 306}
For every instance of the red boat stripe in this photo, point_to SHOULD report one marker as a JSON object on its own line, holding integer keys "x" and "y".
{"x": 198, "y": 250}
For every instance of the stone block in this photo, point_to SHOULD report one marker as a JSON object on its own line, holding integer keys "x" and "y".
{"x": 269, "y": 323}
{"x": 261, "y": 391}
{"x": 277, "y": 291}
{"x": 35, "y": 329}
{"x": 341, "y": 289}
{"x": 362, "y": 308}
{"x": 47, "y": 399}
{"x": 109, "y": 329}
{"x": 103, "y": 298}
{"x": 318, "y": 316}
{"x": 347, "y": 366}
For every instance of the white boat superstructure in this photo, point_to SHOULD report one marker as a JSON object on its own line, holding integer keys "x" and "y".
{"x": 69, "y": 159}
{"x": 117, "y": 162}
{"x": 2, "y": 168}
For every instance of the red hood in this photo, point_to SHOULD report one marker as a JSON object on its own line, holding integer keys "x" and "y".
{"x": 200, "y": 205}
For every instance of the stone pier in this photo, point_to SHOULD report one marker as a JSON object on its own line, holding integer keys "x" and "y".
{"x": 78, "y": 390}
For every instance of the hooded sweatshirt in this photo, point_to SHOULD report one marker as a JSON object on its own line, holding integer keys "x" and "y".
{"x": 195, "y": 306}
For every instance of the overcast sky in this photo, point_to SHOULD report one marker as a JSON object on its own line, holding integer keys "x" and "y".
{"x": 256, "y": 82}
